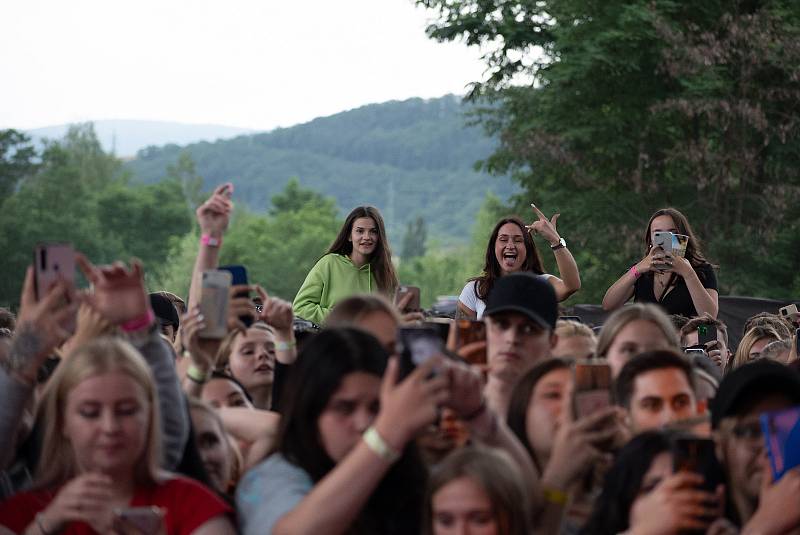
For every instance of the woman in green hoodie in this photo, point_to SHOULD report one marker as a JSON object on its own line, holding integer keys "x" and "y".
{"x": 358, "y": 261}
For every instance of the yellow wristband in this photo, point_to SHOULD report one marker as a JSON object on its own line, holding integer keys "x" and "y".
{"x": 196, "y": 374}
{"x": 558, "y": 497}
{"x": 285, "y": 346}
{"x": 379, "y": 447}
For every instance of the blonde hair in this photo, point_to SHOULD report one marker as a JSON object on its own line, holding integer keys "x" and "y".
{"x": 742, "y": 355}
{"x": 99, "y": 357}
{"x": 570, "y": 328}
{"x": 637, "y": 311}
{"x": 350, "y": 311}
{"x": 226, "y": 347}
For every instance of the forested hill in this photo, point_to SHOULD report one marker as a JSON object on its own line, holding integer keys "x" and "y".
{"x": 410, "y": 158}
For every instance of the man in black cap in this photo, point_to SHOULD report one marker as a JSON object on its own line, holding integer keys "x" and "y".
{"x": 744, "y": 394}
{"x": 166, "y": 314}
{"x": 521, "y": 313}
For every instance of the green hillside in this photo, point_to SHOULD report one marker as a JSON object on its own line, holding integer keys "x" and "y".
{"x": 411, "y": 158}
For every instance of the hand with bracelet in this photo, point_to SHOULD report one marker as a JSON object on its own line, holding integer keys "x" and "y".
{"x": 118, "y": 293}
{"x": 546, "y": 228}
{"x": 41, "y": 327}
{"x": 202, "y": 351}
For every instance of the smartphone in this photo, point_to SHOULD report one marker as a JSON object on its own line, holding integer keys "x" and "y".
{"x": 468, "y": 332}
{"x": 442, "y": 326}
{"x": 576, "y": 319}
{"x": 416, "y": 346}
{"x": 781, "y": 431}
{"x": 592, "y": 387}
{"x": 145, "y": 520}
{"x": 706, "y": 334}
{"x": 797, "y": 342}
{"x": 789, "y": 310}
{"x": 695, "y": 352}
{"x": 238, "y": 278}
{"x": 214, "y": 303}
{"x": 414, "y": 304}
{"x": 697, "y": 455}
{"x": 52, "y": 262}
{"x": 663, "y": 240}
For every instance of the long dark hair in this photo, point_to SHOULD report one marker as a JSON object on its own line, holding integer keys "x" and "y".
{"x": 624, "y": 481}
{"x": 694, "y": 252}
{"x": 381, "y": 258}
{"x": 521, "y": 397}
{"x": 491, "y": 267}
{"x": 327, "y": 358}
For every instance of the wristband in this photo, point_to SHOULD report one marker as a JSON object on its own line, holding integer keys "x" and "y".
{"x": 285, "y": 346}
{"x": 635, "y": 272}
{"x": 211, "y": 241}
{"x": 196, "y": 374}
{"x": 137, "y": 324}
{"x": 555, "y": 496}
{"x": 379, "y": 447}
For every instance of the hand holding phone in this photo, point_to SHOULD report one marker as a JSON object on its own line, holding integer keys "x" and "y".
{"x": 241, "y": 298}
{"x": 52, "y": 263}
{"x": 591, "y": 387}
{"x": 407, "y": 298}
{"x": 214, "y": 303}
{"x": 417, "y": 346}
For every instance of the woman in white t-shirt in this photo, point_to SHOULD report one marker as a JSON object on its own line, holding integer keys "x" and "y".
{"x": 511, "y": 249}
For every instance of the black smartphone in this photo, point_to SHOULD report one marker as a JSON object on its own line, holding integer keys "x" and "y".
{"x": 697, "y": 455}
{"x": 797, "y": 342}
{"x": 706, "y": 334}
{"x": 592, "y": 387}
{"x": 417, "y": 346}
{"x": 576, "y": 319}
{"x": 239, "y": 277}
{"x": 468, "y": 332}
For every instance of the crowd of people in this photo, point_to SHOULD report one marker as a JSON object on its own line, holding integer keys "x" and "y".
{"x": 329, "y": 415}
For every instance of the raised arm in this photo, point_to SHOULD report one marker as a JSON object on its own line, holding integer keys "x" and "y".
{"x": 569, "y": 280}
{"x": 622, "y": 290}
{"x": 213, "y": 217}
{"x": 334, "y": 502}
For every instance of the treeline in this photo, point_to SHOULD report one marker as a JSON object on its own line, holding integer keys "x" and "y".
{"x": 74, "y": 191}
{"x": 410, "y": 159}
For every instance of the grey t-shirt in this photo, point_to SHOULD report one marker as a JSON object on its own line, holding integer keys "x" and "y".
{"x": 267, "y": 492}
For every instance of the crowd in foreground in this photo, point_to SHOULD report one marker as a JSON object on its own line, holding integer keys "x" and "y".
{"x": 351, "y": 411}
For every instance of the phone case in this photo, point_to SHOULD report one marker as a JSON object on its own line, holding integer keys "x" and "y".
{"x": 418, "y": 344}
{"x": 781, "y": 431}
{"x": 592, "y": 380}
{"x": 697, "y": 455}
{"x": 214, "y": 303}
{"x": 239, "y": 278}
{"x": 52, "y": 262}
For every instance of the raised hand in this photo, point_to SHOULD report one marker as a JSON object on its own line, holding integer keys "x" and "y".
{"x": 118, "y": 293}
{"x": 240, "y": 305}
{"x": 91, "y": 324}
{"x": 214, "y": 215}
{"x": 675, "y": 505}
{"x": 41, "y": 326}
{"x": 202, "y": 351}
{"x": 410, "y": 406}
{"x": 545, "y": 227}
{"x": 276, "y": 313}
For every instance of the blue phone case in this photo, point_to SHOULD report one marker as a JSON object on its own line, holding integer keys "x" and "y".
{"x": 781, "y": 431}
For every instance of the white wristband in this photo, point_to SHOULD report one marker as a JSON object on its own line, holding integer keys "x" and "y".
{"x": 379, "y": 447}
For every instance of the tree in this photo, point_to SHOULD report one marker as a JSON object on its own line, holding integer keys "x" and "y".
{"x": 608, "y": 110}
{"x": 16, "y": 160}
{"x": 414, "y": 239}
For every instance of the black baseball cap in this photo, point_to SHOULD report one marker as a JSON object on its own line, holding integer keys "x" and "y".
{"x": 760, "y": 377}
{"x": 526, "y": 293}
{"x": 164, "y": 310}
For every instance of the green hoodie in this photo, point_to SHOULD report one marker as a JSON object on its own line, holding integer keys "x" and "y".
{"x": 332, "y": 278}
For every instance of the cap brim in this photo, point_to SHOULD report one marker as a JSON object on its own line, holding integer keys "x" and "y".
{"x": 536, "y": 318}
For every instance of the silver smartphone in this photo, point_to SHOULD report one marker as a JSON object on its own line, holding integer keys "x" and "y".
{"x": 214, "y": 303}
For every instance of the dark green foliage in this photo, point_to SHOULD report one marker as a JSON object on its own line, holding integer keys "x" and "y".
{"x": 16, "y": 160}
{"x": 414, "y": 239}
{"x": 642, "y": 104}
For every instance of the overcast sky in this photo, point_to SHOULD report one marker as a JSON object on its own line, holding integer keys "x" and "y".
{"x": 248, "y": 63}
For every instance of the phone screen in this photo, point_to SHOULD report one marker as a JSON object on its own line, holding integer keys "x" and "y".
{"x": 417, "y": 345}
{"x": 52, "y": 262}
{"x": 697, "y": 455}
{"x": 781, "y": 431}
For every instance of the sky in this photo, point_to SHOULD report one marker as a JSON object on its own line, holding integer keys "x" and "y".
{"x": 248, "y": 63}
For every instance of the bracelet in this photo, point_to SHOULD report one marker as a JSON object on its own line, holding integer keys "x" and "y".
{"x": 40, "y": 523}
{"x": 555, "y": 496}
{"x": 211, "y": 241}
{"x": 635, "y": 272}
{"x": 196, "y": 374}
{"x": 379, "y": 447}
{"x": 137, "y": 324}
{"x": 285, "y": 346}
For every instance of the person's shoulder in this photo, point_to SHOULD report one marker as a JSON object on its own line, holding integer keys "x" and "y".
{"x": 469, "y": 294}
{"x": 274, "y": 467}
{"x": 17, "y": 511}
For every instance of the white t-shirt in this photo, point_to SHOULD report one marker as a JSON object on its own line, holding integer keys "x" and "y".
{"x": 469, "y": 296}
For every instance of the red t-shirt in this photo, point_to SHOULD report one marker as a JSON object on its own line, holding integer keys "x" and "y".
{"x": 188, "y": 506}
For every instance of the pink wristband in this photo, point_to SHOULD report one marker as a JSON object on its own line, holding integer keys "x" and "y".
{"x": 635, "y": 272}
{"x": 137, "y": 324}
{"x": 211, "y": 241}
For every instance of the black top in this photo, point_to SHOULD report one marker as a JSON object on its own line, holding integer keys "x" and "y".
{"x": 677, "y": 300}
